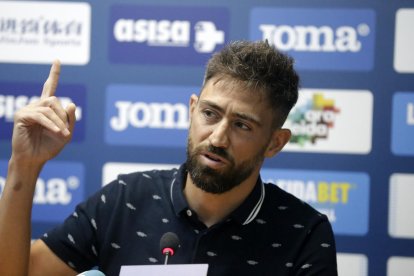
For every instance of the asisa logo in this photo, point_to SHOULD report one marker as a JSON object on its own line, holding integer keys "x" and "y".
{"x": 186, "y": 35}
{"x": 319, "y": 39}
{"x": 147, "y": 115}
{"x": 312, "y": 121}
{"x": 165, "y": 33}
{"x": 58, "y": 190}
{"x": 14, "y": 96}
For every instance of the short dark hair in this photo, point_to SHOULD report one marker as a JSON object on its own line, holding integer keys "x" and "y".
{"x": 260, "y": 66}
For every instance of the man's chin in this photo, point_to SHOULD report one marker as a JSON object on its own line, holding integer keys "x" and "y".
{"x": 213, "y": 172}
{"x": 208, "y": 174}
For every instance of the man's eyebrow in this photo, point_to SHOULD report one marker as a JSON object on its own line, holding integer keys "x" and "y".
{"x": 244, "y": 116}
{"x": 212, "y": 105}
{"x": 249, "y": 118}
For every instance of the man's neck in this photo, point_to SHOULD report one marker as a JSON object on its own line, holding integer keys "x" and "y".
{"x": 213, "y": 208}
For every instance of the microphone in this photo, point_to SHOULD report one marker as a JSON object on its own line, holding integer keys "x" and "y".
{"x": 169, "y": 243}
{"x": 91, "y": 273}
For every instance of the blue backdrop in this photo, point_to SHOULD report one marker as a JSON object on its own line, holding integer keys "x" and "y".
{"x": 130, "y": 66}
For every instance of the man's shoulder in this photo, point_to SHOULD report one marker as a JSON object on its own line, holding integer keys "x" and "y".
{"x": 142, "y": 180}
{"x": 284, "y": 202}
{"x": 147, "y": 176}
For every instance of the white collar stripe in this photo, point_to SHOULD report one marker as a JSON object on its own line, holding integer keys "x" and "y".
{"x": 256, "y": 208}
{"x": 171, "y": 189}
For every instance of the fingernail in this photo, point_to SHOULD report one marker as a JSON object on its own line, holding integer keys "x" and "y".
{"x": 66, "y": 132}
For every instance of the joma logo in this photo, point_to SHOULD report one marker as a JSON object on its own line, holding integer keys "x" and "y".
{"x": 314, "y": 39}
{"x": 151, "y": 115}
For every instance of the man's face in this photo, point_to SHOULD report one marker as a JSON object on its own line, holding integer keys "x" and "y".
{"x": 229, "y": 135}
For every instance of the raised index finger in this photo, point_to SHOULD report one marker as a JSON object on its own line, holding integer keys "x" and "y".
{"x": 51, "y": 83}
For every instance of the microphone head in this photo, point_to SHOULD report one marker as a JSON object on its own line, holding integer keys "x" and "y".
{"x": 169, "y": 243}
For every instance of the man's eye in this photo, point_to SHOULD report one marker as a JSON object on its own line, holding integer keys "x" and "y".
{"x": 242, "y": 125}
{"x": 208, "y": 114}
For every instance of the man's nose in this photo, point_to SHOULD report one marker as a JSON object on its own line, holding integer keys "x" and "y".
{"x": 220, "y": 136}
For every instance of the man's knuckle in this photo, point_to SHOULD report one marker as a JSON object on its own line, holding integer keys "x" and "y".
{"x": 54, "y": 99}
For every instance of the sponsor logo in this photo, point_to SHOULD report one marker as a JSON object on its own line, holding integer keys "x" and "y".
{"x": 319, "y": 39}
{"x": 37, "y": 32}
{"x": 166, "y": 35}
{"x": 14, "y": 96}
{"x": 313, "y": 39}
{"x": 58, "y": 189}
{"x": 151, "y": 115}
{"x": 403, "y": 123}
{"x": 323, "y": 121}
{"x": 404, "y": 41}
{"x": 401, "y": 206}
{"x": 111, "y": 170}
{"x": 313, "y": 122}
{"x": 146, "y": 115}
{"x": 342, "y": 196}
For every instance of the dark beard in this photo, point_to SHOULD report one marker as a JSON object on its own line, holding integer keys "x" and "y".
{"x": 214, "y": 181}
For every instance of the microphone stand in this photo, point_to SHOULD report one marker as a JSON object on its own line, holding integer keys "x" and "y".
{"x": 166, "y": 257}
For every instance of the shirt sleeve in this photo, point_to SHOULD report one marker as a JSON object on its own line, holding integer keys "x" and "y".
{"x": 318, "y": 255}
{"x": 75, "y": 241}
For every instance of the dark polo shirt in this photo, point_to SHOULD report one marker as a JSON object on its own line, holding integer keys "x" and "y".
{"x": 271, "y": 233}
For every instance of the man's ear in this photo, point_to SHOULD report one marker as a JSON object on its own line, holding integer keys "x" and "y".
{"x": 193, "y": 104}
{"x": 279, "y": 139}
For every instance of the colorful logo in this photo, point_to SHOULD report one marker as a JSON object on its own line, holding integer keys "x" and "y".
{"x": 327, "y": 120}
{"x": 166, "y": 35}
{"x": 59, "y": 188}
{"x": 319, "y": 39}
{"x": 342, "y": 196}
{"x": 147, "y": 115}
{"x": 313, "y": 120}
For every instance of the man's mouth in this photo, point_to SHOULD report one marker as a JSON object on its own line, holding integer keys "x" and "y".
{"x": 214, "y": 157}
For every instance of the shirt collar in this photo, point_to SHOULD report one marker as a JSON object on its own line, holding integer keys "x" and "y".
{"x": 251, "y": 206}
{"x": 176, "y": 191}
{"x": 244, "y": 214}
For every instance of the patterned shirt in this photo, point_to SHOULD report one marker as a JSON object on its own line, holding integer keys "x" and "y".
{"x": 270, "y": 233}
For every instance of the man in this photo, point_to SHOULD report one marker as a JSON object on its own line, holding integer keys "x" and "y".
{"x": 216, "y": 202}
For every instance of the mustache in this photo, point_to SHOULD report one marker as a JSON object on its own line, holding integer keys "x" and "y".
{"x": 219, "y": 151}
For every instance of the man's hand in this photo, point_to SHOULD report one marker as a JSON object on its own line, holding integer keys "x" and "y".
{"x": 43, "y": 128}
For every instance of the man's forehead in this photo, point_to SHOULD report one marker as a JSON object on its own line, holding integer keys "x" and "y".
{"x": 227, "y": 83}
{"x": 236, "y": 100}
{"x": 237, "y": 90}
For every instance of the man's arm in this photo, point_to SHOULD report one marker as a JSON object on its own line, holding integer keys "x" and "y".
{"x": 40, "y": 132}
{"x": 44, "y": 262}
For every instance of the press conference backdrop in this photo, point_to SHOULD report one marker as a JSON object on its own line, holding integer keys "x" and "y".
{"x": 130, "y": 66}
